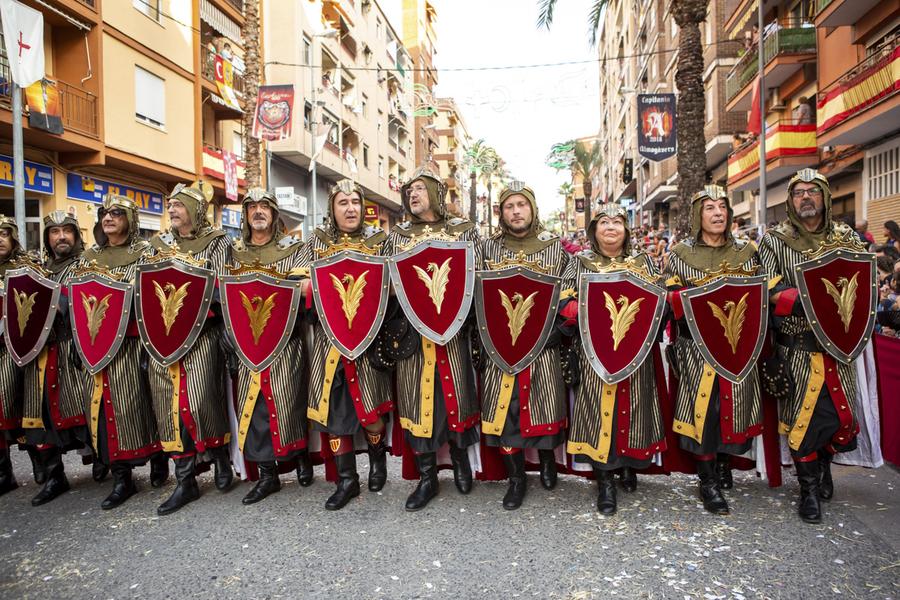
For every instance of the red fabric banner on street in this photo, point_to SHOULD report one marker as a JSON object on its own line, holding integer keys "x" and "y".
{"x": 274, "y": 112}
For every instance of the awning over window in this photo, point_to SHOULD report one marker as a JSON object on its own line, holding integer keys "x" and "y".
{"x": 219, "y": 21}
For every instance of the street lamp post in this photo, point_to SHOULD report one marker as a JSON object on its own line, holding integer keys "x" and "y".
{"x": 330, "y": 33}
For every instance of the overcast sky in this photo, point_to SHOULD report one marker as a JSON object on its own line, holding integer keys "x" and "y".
{"x": 521, "y": 112}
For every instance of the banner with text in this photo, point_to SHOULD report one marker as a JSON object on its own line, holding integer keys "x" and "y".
{"x": 656, "y": 126}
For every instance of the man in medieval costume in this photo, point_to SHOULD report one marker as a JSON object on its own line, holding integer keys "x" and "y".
{"x": 714, "y": 418}
{"x": 526, "y": 410}
{"x": 53, "y": 417}
{"x": 818, "y": 414}
{"x": 346, "y": 396}
{"x": 271, "y": 405}
{"x": 437, "y": 402}
{"x": 10, "y": 374}
{"x": 193, "y": 388}
{"x": 618, "y": 426}
{"x": 118, "y": 406}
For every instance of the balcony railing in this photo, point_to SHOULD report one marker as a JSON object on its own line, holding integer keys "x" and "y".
{"x": 872, "y": 81}
{"x": 779, "y": 42}
{"x": 208, "y": 70}
{"x": 88, "y": 3}
{"x": 783, "y": 139}
{"x": 822, "y": 5}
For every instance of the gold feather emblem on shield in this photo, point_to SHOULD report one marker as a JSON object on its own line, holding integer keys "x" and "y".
{"x": 517, "y": 312}
{"x": 622, "y": 316}
{"x": 171, "y": 299}
{"x": 436, "y": 283}
{"x": 95, "y": 311}
{"x": 351, "y": 295}
{"x": 258, "y": 311}
{"x": 24, "y": 306}
{"x": 845, "y": 298}
{"x": 732, "y": 319}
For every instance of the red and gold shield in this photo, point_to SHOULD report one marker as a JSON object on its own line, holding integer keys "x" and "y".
{"x": 259, "y": 311}
{"x": 99, "y": 308}
{"x": 172, "y": 300}
{"x": 516, "y": 308}
{"x": 839, "y": 295}
{"x": 727, "y": 318}
{"x": 31, "y": 302}
{"x": 619, "y": 315}
{"x": 351, "y": 294}
{"x": 434, "y": 281}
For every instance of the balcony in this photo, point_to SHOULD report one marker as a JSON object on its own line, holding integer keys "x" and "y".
{"x": 789, "y": 148}
{"x": 77, "y": 107}
{"x": 834, "y": 13}
{"x": 208, "y": 70}
{"x": 214, "y": 166}
{"x": 859, "y": 106}
{"x": 785, "y": 49}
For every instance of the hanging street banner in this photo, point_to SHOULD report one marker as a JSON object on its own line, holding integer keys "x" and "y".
{"x": 23, "y": 38}
{"x": 274, "y": 109}
{"x": 656, "y": 126}
{"x": 225, "y": 81}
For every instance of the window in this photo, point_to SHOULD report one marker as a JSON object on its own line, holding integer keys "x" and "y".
{"x": 882, "y": 173}
{"x": 366, "y": 156}
{"x": 379, "y": 29}
{"x": 710, "y": 103}
{"x": 237, "y": 144}
{"x": 148, "y": 7}
{"x": 709, "y": 27}
{"x": 307, "y": 51}
{"x": 149, "y": 97}
{"x": 307, "y": 116}
{"x": 381, "y": 167}
{"x": 365, "y": 105}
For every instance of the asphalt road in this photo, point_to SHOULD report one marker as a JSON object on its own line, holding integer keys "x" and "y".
{"x": 661, "y": 544}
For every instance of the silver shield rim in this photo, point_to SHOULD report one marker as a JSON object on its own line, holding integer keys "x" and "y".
{"x": 120, "y": 328}
{"x": 23, "y": 360}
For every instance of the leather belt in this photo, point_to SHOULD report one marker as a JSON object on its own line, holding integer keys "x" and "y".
{"x": 806, "y": 341}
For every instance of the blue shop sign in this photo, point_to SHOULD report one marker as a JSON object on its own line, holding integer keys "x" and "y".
{"x": 38, "y": 177}
{"x": 89, "y": 189}
{"x": 231, "y": 218}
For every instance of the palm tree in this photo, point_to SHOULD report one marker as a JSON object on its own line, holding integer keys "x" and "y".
{"x": 691, "y": 156}
{"x": 482, "y": 161}
{"x": 587, "y": 159}
{"x": 250, "y": 40}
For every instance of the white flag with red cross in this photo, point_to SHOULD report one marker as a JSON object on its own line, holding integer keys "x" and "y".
{"x": 23, "y": 35}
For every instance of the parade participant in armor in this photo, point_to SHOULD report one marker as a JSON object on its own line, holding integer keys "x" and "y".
{"x": 279, "y": 435}
{"x": 10, "y": 374}
{"x": 432, "y": 374}
{"x": 594, "y": 435}
{"x": 713, "y": 417}
{"x": 818, "y": 412}
{"x": 119, "y": 409}
{"x": 332, "y": 407}
{"x": 527, "y": 410}
{"x": 203, "y": 428}
{"x": 53, "y": 418}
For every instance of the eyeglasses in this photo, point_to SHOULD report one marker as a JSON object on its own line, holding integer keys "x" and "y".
{"x": 812, "y": 193}
{"x": 114, "y": 212}
{"x": 415, "y": 189}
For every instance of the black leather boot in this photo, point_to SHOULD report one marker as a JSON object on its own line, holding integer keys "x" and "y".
{"x": 628, "y": 479}
{"x": 428, "y": 482}
{"x": 710, "y": 492}
{"x": 186, "y": 489}
{"x": 123, "y": 486}
{"x": 809, "y": 507}
{"x": 304, "y": 469}
{"x": 268, "y": 483}
{"x": 826, "y": 483}
{"x": 606, "y": 491}
{"x": 7, "y": 479}
{"x": 56, "y": 483}
{"x": 99, "y": 471}
{"x": 159, "y": 469}
{"x": 37, "y": 467}
{"x": 462, "y": 470}
{"x": 224, "y": 476}
{"x": 548, "y": 469}
{"x": 518, "y": 481}
{"x": 347, "y": 484}
{"x": 377, "y": 461}
{"x": 723, "y": 467}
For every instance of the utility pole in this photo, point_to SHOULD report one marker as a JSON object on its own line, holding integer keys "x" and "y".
{"x": 18, "y": 164}
{"x": 761, "y": 67}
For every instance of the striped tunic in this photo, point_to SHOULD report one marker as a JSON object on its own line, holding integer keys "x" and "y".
{"x": 539, "y": 390}
{"x": 282, "y": 386}
{"x": 120, "y": 393}
{"x": 197, "y": 381}
{"x": 812, "y": 372}
{"x": 621, "y": 424}
{"x": 53, "y": 376}
{"x": 368, "y": 389}
{"x": 451, "y": 363}
{"x": 10, "y": 380}
{"x": 700, "y": 390}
